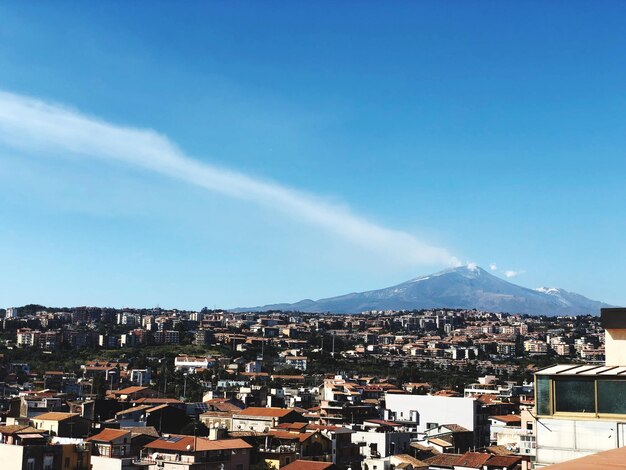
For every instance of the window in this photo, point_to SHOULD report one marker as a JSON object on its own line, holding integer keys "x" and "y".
{"x": 574, "y": 395}
{"x": 529, "y": 426}
{"x": 611, "y": 396}
{"x": 543, "y": 396}
{"x": 67, "y": 462}
{"x": 431, "y": 425}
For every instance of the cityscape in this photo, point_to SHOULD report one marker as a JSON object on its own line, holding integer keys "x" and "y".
{"x": 292, "y": 236}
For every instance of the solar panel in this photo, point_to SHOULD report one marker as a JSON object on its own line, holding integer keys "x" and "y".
{"x": 171, "y": 439}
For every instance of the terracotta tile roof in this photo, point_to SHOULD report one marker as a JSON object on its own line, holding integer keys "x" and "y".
{"x": 381, "y": 422}
{"x": 157, "y": 408}
{"x": 179, "y": 442}
{"x": 455, "y": 428}
{"x": 55, "y": 416}
{"x": 297, "y": 426}
{"x": 156, "y": 401}
{"x": 128, "y": 390}
{"x": 439, "y": 442}
{"x": 499, "y": 450}
{"x": 503, "y": 461}
{"x": 443, "y": 460}
{"x": 614, "y": 459}
{"x": 17, "y": 429}
{"x": 108, "y": 435}
{"x": 146, "y": 430}
{"x": 508, "y": 418}
{"x": 133, "y": 409}
{"x": 408, "y": 460}
{"x": 269, "y": 412}
{"x": 307, "y": 465}
{"x": 472, "y": 460}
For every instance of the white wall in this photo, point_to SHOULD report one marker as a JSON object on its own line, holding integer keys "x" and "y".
{"x": 11, "y": 456}
{"x": 383, "y": 440}
{"x": 431, "y": 409}
{"x": 105, "y": 463}
{"x": 615, "y": 347}
{"x": 559, "y": 440}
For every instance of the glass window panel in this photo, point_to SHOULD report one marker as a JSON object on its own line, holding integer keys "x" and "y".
{"x": 574, "y": 395}
{"x": 543, "y": 396}
{"x": 612, "y": 396}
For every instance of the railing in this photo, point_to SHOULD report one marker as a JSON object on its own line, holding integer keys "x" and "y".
{"x": 181, "y": 458}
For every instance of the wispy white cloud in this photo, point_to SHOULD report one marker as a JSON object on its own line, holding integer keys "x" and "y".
{"x": 510, "y": 273}
{"x": 493, "y": 266}
{"x": 31, "y": 124}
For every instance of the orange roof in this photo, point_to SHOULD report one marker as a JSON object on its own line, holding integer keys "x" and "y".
{"x": 108, "y": 435}
{"x": 55, "y": 416}
{"x": 189, "y": 443}
{"x": 156, "y": 400}
{"x": 502, "y": 461}
{"x": 307, "y": 465}
{"x": 508, "y": 418}
{"x": 614, "y": 459}
{"x": 128, "y": 390}
{"x": 269, "y": 412}
{"x": 472, "y": 460}
{"x": 133, "y": 409}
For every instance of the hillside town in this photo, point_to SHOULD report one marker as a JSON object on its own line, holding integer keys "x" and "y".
{"x": 91, "y": 388}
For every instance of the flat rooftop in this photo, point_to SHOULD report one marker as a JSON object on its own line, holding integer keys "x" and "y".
{"x": 583, "y": 370}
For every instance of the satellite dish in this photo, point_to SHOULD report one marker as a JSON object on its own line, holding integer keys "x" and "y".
{"x": 188, "y": 446}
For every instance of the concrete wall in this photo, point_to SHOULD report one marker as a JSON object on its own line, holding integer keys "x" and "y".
{"x": 383, "y": 440}
{"x": 105, "y": 463}
{"x": 252, "y": 424}
{"x": 11, "y": 456}
{"x": 559, "y": 440}
{"x": 615, "y": 347}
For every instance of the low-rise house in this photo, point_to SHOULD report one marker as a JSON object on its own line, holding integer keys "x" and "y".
{"x": 309, "y": 465}
{"x": 134, "y": 393}
{"x": 280, "y": 447}
{"x": 263, "y": 419}
{"x": 111, "y": 443}
{"x": 37, "y": 453}
{"x": 62, "y": 424}
{"x": 180, "y": 452}
{"x": 505, "y": 430}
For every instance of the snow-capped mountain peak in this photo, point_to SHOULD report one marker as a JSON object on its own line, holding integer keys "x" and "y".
{"x": 466, "y": 286}
{"x": 549, "y": 290}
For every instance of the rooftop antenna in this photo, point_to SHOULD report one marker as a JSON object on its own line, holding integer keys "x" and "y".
{"x": 333, "y": 353}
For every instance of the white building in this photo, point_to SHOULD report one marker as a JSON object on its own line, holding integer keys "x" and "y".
{"x": 11, "y": 312}
{"x": 375, "y": 446}
{"x": 423, "y": 412}
{"x": 191, "y": 363}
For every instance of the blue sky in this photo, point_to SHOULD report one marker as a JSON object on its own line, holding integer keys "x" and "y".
{"x": 485, "y": 132}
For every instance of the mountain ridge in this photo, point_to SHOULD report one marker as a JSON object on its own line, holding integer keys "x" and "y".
{"x": 462, "y": 287}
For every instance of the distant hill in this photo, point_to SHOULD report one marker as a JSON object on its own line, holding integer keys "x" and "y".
{"x": 463, "y": 287}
